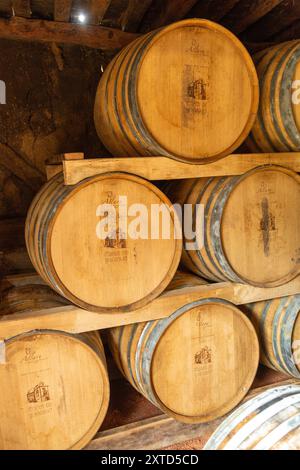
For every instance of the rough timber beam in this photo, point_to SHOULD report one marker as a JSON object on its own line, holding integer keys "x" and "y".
{"x": 97, "y": 37}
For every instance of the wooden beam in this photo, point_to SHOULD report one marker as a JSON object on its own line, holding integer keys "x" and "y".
{"x": 254, "y": 47}
{"x": 163, "y": 168}
{"x": 97, "y": 9}
{"x": 21, "y": 8}
{"x": 247, "y": 12}
{"x": 162, "y": 431}
{"x": 114, "y": 13}
{"x": 151, "y": 434}
{"x": 288, "y": 34}
{"x": 62, "y": 10}
{"x": 162, "y": 13}
{"x": 76, "y": 320}
{"x": 286, "y": 13}
{"x": 97, "y": 37}
{"x": 134, "y": 14}
{"x": 213, "y": 10}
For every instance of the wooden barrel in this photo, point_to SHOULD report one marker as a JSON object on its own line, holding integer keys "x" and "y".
{"x": 65, "y": 247}
{"x": 29, "y": 297}
{"x": 188, "y": 91}
{"x": 196, "y": 365}
{"x": 269, "y": 421}
{"x": 277, "y": 322}
{"x": 54, "y": 385}
{"x": 277, "y": 127}
{"x": 251, "y": 226}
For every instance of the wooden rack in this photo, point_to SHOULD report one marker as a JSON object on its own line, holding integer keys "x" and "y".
{"x": 76, "y": 167}
{"x": 159, "y": 431}
{"x": 76, "y": 320}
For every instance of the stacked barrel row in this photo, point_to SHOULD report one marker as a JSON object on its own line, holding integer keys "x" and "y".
{"x": 188, "y": 92}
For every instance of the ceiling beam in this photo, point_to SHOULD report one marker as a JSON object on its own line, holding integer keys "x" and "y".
{"x": 97, "y": 37}
{"x": 213, "y": 10}
{"x": 114, "y": 13}
{"x": 247, "y": 12}
{"x": 288, "y": 34}
{"x": 97, "y": 10}
{"x": 282, "y": 16}
{"x": 62, "y": 10}
{"x": 162, "y": 13}
{"x": 134, "y": 14}
{"x": 21, "y": 8}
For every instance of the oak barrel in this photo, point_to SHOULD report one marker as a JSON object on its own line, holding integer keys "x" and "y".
{"x": 248, "y": 226}
{"x": 117, "y": 270}
{"x": 277, "y": 322}
{"x": 54, "y": 385}
{"x": 196, "y": 364}
{"x": 188, "y": 91}
{"x": 269, "y": 421}
{"x": 277, "y": 127}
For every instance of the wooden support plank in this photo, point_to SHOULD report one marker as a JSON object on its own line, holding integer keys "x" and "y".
{"x": 161, "y": 431}
{"x": 75, "y": 320}
{"x": 97, "y": 37}
{"x": 62, "y": 10}
{"x": 247, "y": 12}
{"x": 163, "y": 13}
{"x": 54, "y": 164}
{"x": 21, "y": 8}
{"x": 212, "y": 9}
{"x": 278, "y": 19}
{"x": 150, "y": 434}
{"x": 163, "y": 168}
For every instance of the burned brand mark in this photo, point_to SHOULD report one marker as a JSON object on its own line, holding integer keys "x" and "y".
{"x": 204, "y": 356}
{"x": 39, "y": 393}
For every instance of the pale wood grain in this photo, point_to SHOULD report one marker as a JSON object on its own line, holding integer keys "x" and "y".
{"x": 163, "y": 168}
{"x": 76, "y": 320}
{"x": 97, "y": 37}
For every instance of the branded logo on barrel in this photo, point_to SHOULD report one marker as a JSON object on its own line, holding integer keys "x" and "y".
{"x": 2, "y": 92}
{"x": 204, "y": 356}
{"x": 39, "y": 393}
